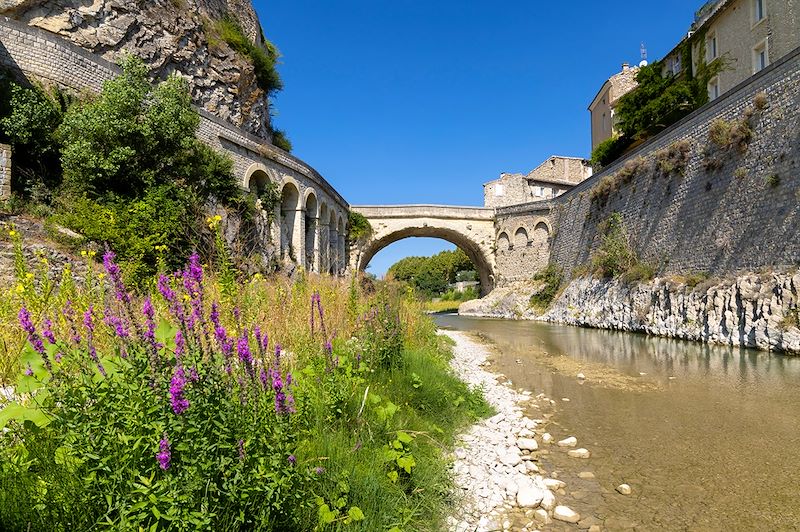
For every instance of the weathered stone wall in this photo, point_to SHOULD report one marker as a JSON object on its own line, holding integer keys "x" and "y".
{"x": 169, "y": 36}
{"x": 523, "y": 241}
{"x": 742, "y": 216}
{"x": 5, "y": 171}
{"x": 38, "y": 55}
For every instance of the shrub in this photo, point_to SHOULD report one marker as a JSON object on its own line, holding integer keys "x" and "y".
{"x": 695, "y": 278}
{"x": 551, "y": 279}
{"x": 772, "y": 180}
{"x": 674, "y": 158}
{"x": 280, "y": 140}
{"x": 760, "y": 101}
{"x": 608, "y": 151}
{"x": 615, "y": 257}
{"x": 728, "y": 134}
{"x": 263, "y": 58}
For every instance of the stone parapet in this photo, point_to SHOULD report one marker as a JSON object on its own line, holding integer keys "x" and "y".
{"x": 5, "y": 171}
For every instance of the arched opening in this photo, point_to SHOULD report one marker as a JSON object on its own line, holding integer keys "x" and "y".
{"x": 540, "y": 242}
{"x": 290, "y": 223}
{"x": 312, "y": 232}
{"x": 333, "y": 240}
{"x": 503, "y": 243}
{"x": 258, "y": 182}
{"x": 520, "y": 239}
{"x": 471, "y": 248}
{"x": 324, "y": 238}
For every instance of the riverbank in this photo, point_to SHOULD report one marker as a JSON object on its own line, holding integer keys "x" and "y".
{"x": 495, "y": 464}
{"x": 749, "y": 310}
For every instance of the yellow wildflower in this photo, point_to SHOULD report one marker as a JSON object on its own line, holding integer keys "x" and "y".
{"x": 12, "y": 233}
{"x": 29, "y": 276}
{"x": 83, "y": 253}
{"x": 101, "y": 276}
{"x": 20, "y": 288}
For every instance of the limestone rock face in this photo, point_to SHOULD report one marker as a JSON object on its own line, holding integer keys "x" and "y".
{"x": 170, "y": 36}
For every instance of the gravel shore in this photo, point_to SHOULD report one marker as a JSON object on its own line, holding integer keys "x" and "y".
{"x": 495, "y": 461}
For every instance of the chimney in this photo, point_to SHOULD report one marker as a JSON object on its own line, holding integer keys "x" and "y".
{"x": 625, "y": 66}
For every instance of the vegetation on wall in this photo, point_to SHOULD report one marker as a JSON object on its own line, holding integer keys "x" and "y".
{"x": 550, "y": 279}
{"x": 657, "y": 102}
{"x": 615, "y": 256}
{"x": 674, "y": 159}
{"x": 124, "y": 168}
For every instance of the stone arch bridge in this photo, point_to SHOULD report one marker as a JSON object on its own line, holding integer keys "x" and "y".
{"x": 470, "y": 228}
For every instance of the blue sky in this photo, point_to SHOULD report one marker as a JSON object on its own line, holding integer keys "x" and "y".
{"x": 424, "y": 101}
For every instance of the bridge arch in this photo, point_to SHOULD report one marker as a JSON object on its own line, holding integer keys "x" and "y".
{"x": 470, "y": 229}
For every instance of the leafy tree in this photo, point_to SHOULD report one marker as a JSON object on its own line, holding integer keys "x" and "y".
{"x": 431, "y": 275}
{"x": 135, "y": 136}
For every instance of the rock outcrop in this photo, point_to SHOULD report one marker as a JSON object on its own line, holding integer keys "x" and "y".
{"x": 170, "y": 36}
{"x": 751, "y": 310}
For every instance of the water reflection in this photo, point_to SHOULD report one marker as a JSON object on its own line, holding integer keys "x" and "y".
{"x": 634, "y": 354}
{"x": 712, "y": 445}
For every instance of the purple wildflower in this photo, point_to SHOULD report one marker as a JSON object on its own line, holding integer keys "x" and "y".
{"x": 180, "y": 344}
{"x": 88, "y": 322}
{"x": 116, "y": 323}
{"x": 87, "y": 319}
{"x": 243, "y": 348}
{"x": 225, "y": 343}
{"x": 47, "y": 331}
{"x": 179, "y": 403}
{"x": 195, "y": 270}
{"x": 29, "y": 371}
{"x": 319, "y": 470}
{"x": 69, "y": 314}
{"x": 292, "y": 459}
{"x": 264, "y": 378}
{"x": 193, "y": 375}
{"x": 163, "y": 287}
{"x": 34, "y": 339}
{"x": 241, "y": 450}
{"x": 163, "y": 456}
{"x": 150, "y": 322}
{"x": 112, "y": 268}
{"x": 284, "y": 403}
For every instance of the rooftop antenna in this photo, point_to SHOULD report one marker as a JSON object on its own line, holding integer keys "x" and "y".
{"x": 643, "y": 50}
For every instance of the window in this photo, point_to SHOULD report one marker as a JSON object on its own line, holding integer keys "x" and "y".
{"x": 711, "y": 46}
{"x": 713, "y": 89}
{"x": 676, "y": 65}
{"x": 499, "y": 190}
{"x": 538, "y": 192}
{"x": 760, "y": 57}
{"x": 759, "y": 11}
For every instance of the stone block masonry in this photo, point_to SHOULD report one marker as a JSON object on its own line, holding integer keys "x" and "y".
{"x": 37, "y": 55}
{"x": 729, "y": 210}
{"x": 5, "y": 171}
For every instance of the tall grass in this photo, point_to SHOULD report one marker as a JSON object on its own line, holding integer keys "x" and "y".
{"x": 356, "y": 441}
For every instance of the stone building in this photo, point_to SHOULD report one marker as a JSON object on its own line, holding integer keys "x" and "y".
{"x": 548, "y": 180}
{"x": 603, "y": 105}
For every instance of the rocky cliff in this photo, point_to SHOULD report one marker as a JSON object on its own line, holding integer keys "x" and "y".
{"x": 170, "y": 36}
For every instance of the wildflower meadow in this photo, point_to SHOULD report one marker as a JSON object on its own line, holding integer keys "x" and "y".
{"x": 203, "y": 400}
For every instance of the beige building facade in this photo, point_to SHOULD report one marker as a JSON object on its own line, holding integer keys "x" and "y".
{"x": 602, "y": 107}
{"x": 548, "y": 180}
{"x": 747, "y": 35}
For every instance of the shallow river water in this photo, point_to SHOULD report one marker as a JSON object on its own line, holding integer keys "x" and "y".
{"x": 708, "y": 437}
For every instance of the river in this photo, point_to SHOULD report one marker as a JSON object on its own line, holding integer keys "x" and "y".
{"x": 707, "y": 436}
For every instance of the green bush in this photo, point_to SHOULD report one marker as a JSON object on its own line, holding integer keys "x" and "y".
{"x": 615, "y": 256}
{"x": 551, "y": 279}
{"x": 609, "y": 151}
{"x": 280, "y": 140}
{"x": 263, "y": 58}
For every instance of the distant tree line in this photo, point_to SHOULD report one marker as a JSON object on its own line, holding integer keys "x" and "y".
{"x": 431, "y": 276}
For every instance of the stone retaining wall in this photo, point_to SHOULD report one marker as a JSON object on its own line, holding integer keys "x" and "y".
{"x": 740, "y": 216}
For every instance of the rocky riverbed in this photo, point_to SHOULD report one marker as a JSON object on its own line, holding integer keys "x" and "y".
{"x": 495, "y": 464}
